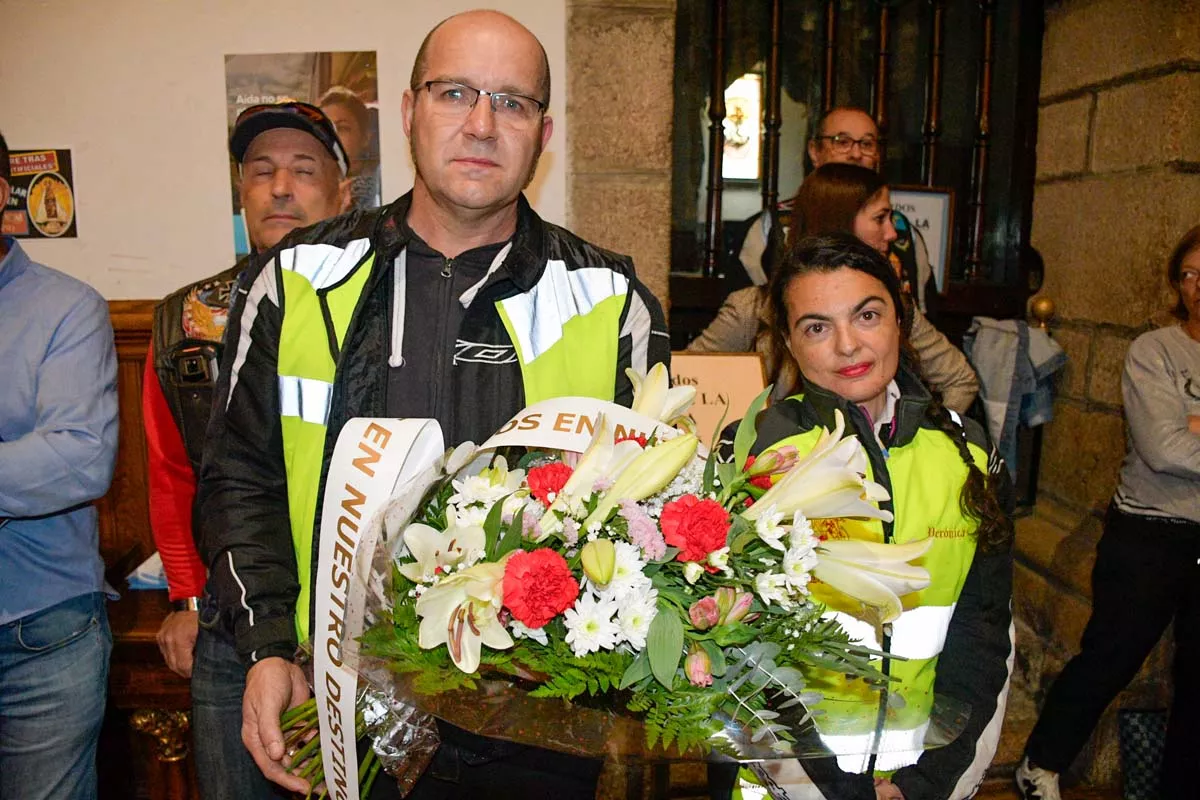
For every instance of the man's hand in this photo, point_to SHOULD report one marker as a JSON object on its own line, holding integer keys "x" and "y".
{"x": 886, "y": 790}
{"x": 1194, "y": 423}
{"x": 177, "y": 641}
{"x": 273, "y": 685}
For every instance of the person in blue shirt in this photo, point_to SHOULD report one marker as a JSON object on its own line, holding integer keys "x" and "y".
{"x": 58, "y": 443}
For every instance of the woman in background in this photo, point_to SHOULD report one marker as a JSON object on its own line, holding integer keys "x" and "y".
{"x": 851, "y": 199}
{"x": 1147, "y": 571}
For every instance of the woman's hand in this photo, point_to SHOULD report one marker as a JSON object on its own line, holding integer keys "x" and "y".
{"x": 886, "y": 790}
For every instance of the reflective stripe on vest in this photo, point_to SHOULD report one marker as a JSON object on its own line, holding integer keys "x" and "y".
{"x": 319, "y": 289}
{"x": 897, "y": 748}
{"x": 566, "y": 307}
{"x": 918, "y": 633}
{"x": 306, "y": 398}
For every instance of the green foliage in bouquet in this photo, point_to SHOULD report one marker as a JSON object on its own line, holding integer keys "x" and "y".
{"x": 642, "y": 578}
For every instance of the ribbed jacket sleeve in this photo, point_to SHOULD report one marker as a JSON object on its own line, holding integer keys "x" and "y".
{"x": 172, "y": 489}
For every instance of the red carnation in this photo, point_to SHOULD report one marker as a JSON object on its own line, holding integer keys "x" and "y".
{"x": 538, "y": 586}
{"x": 697, "y": 527}
{"x": 639, "y": 438}
{"x": 548, "y": 479}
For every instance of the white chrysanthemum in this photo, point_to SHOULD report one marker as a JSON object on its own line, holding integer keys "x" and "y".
{"x": 635, "y": 616}
{"x": 590, "y": 625}
{"x": 772, "y": 588}
{"x": 768, "y": 528}
{"x": 798, "y": 563}
{"x": 628, "y": 577}
{"x": 521, "y": 631}
{"x": 489, "y": 485}
{"x": 802, "y": 535}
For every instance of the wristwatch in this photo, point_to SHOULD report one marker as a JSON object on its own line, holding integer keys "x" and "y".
{"x": 186, "y": 604}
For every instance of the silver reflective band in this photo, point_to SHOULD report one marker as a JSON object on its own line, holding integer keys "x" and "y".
{"x": 918, "y": 633}
{"x": 561, "y": 294}
{"x": 306, "y": 398}
{"x": 897, "y": 748}
{"x": 324, "y": 265}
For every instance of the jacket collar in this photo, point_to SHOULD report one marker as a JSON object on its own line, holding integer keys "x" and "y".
{"x": 524, "y": 264}
{"x": 910, "y": 408}
{"x": 14, "y": 263}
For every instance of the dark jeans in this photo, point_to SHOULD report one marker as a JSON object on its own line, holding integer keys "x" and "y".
{"x": 1147, "y": 573}
{"x": 223, "y": 765}
{"x": 53, "y": 682}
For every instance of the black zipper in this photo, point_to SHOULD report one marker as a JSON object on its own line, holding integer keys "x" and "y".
{"x": 879, "y": 473}
{"x": 442, "y": 314}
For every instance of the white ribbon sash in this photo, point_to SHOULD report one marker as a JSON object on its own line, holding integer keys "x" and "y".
{"x": 568, "y": 423}
{"x": 371, "y": 458}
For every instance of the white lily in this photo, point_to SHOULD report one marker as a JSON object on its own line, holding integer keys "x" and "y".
{"x": 875, "y": 573}
{"x": 654, "y": 396}
{"x": 436, "y": 550}
{"x": 650, "y": 471}
{"x": 829, "y": 482}
{"x": 461, "y": 613}
{"x": 601, "y": 459}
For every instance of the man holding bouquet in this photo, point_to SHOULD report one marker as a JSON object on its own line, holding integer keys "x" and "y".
{"x": 456, "y": 302}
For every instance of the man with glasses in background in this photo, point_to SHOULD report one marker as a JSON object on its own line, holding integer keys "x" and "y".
{"x": 842, "y": 135}
{"x": 451, "y": 303}
{"x": 292, "y": 172}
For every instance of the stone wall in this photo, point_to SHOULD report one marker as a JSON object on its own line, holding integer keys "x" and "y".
{"x": 620, "y": 85}
{"x": 1118, "y": 183}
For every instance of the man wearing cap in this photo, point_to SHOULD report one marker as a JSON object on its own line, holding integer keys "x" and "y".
{"x": 293, "y": 173}
{"x": 456, "y": 302}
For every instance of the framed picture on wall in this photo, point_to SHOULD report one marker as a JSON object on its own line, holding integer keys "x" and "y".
{"x": 929, "y": 211}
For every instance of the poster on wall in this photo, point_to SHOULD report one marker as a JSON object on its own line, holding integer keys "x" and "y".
{"x": 41, "y": 204}
{"x": 344, "y": 85}
{"x": 930, "y": 211}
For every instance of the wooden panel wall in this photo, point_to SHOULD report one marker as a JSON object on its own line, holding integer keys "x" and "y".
{"x": 124, "y": 517}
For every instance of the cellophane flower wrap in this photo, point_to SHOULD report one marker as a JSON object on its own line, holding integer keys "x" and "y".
{"x": 663, "y": 593}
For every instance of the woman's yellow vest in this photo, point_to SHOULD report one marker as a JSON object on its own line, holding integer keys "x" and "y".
{"x": 573, "y": 352}
{"x": 926, "y": 476}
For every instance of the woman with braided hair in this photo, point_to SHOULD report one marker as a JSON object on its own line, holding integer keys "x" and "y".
{"x": 837, "y": 309}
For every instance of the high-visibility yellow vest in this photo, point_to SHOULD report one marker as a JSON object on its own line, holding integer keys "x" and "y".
{"x": 926, "y": 477}
{"x": 565, "y": 332}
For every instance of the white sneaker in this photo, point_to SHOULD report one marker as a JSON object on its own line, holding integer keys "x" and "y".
{"x": 1035, "y": 783}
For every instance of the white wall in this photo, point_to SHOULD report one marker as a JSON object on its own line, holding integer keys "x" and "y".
{"x": 136, "y": 89}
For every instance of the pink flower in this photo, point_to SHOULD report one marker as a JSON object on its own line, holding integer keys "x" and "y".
{"x": 734, "y": 605}
{"x": 698, "y": 667}
{"x": 570, "y": 531}
{"x": 704, "y": 613}
{"x": 643, "y": 532}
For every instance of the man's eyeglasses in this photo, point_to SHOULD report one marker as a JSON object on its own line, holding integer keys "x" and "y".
{"x": 844, "y": 143}
{"x": 451, "y": 99}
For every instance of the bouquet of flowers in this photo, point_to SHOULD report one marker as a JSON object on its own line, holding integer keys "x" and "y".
{"x": 642, "y": 579}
